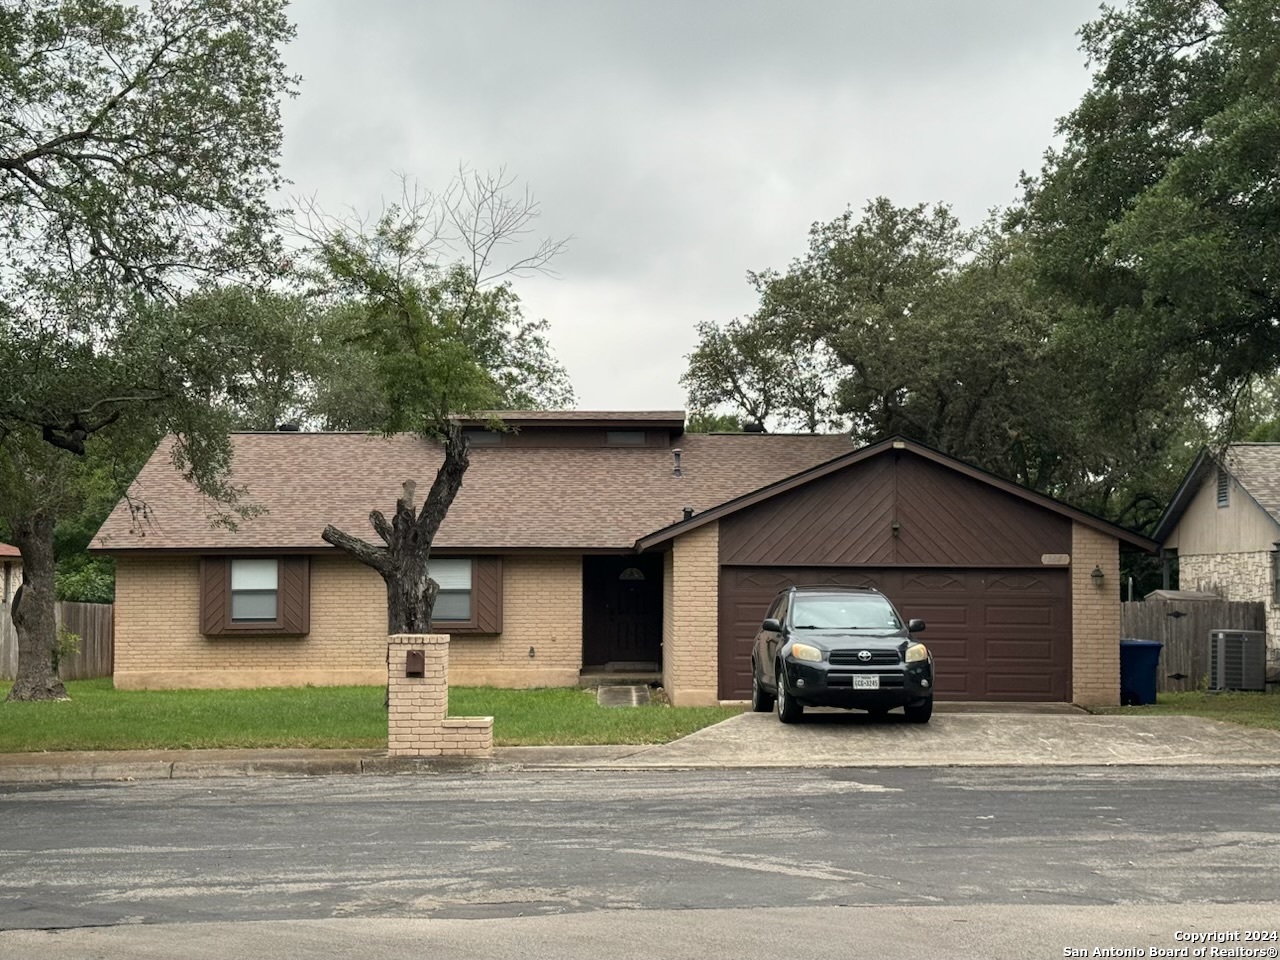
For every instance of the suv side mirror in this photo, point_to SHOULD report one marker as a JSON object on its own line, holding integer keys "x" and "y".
{"x": 915, "y": 626}
{"x": 771, "y": 625}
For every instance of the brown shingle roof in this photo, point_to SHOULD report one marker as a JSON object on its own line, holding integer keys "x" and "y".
{"x": 595, "y": 498}
{"x": 1257, "y": 468}
{"x": 8, "y": 550}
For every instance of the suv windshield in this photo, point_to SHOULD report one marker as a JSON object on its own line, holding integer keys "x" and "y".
{"x": 852, "y": 611}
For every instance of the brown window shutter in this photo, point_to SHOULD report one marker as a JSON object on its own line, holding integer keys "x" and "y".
{"x": 295, "y": 595}
{"x": 486, "y": 594}
{"x": 215, "y": 595}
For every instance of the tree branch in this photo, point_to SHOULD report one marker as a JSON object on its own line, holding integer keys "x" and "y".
{"x": 357, "y": 549}
{"x": 380, "y": 525}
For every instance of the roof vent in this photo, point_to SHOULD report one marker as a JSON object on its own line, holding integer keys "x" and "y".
{"x": 752, "y": 426}
{"x": 675, "y": 470}
{"x": 288, "y": 427}
{"x": 688, "y": 513}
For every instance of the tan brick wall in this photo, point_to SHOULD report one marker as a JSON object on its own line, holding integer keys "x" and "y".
{"x": 690, "y": 633}
{"x": 668, "y": 616}
{"x": 1095, "y": 618}
{"x": 1236, "y": 576}
{"x": 417, "y": 707}
{"x": 542, "y": 611}
{"x": 159, "y": 644}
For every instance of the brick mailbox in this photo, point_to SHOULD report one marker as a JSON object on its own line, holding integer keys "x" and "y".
{"x": 418, "y": 724}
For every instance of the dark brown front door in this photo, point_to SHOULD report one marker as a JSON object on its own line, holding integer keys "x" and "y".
{"x": 622, "y": 611}
{"x": 995, "y": 634}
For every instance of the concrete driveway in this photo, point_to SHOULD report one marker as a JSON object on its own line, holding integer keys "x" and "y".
{"x": 841, "y": 739}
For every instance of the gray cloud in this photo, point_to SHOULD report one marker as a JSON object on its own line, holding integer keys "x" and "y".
{"x": 681, "y": 144}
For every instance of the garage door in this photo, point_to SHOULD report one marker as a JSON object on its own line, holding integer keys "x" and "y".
{"x": 995, "y": 634}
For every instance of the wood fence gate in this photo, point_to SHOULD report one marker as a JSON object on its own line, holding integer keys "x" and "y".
{"x": 1183, "y": 626}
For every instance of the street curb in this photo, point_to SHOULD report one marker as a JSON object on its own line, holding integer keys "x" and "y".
{"x": 397, "y": 766}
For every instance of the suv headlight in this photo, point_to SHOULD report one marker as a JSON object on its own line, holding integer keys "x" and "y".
{"x": 917, "y": 652}
{"x": 802, "y": 651}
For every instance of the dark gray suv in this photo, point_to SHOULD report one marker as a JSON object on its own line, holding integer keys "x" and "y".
{"x": 839, "y": 647}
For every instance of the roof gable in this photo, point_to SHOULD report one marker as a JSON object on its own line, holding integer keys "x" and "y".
{"x": 875, "y": 450}
{"x": 1255, "y": 468}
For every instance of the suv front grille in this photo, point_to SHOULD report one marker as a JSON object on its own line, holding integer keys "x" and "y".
{"x": 849, "y": 658}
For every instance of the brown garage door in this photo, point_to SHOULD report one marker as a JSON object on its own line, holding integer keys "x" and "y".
{"x": 995, "y": 634}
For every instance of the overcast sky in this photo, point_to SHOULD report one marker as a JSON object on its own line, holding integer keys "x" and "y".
{"x": 681, "y": 144}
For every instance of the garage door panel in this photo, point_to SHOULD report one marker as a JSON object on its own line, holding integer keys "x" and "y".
{"x": 1007, "y": 615}
{"x": 1020, "y": 686}
{"x": 994, "y": 634}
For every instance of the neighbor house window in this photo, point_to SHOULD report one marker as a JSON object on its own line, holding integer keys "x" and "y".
{"x": 1275, "y": 573}
{"x": 1224, "y": 488}
{"x": 255, "y": 590}
{"x": 453, "y": 602}
{"x": 624, "y": 438}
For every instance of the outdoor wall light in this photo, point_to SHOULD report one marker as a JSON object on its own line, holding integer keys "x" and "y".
{"x": 1096, "y": 576}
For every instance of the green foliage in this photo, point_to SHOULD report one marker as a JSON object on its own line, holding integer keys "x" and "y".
{"x": 101, "y": 718}
{"x": 902, "y": 322}
{"x": 68, "y": 645}
{"x": 138, "y": 164}
{"x": 1158, "y": 213}
{"x": 701, "y": 421}
{"x": 83, "y": 578}
{"x": 419, "y": 322}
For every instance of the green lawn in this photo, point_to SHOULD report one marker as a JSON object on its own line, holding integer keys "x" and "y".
{"x": 99, "y": 717}
{"x": 1250, "y": 709}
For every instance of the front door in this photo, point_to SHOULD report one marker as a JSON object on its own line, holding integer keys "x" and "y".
{"x": 622, "y": 612}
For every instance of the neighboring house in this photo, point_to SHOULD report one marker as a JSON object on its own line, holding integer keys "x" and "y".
{"x": 10, "y": 572}
{"x": 10, "y": 580}
{"x": 1223, "y": 525}
{"x": 589, "y": 542}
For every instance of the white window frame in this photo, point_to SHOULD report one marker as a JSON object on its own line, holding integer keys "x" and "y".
{"x": 455, "y": 577}
{"x": 253, "y": 577}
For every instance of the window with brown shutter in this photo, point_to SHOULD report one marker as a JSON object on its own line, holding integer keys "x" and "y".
{"x": 257, "y": 596}
{"x": 484, "y": 610}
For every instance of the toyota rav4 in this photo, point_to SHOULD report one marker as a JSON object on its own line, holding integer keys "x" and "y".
{"x": 839, "y": 647}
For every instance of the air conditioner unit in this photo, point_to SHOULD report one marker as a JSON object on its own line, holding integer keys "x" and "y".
{"x": 1237, "y": 660}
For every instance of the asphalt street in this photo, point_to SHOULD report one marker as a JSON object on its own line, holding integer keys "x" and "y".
{"x": 956, "y": 849}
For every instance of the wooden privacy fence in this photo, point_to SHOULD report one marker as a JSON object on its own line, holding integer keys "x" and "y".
{"x": 93, "y": 623}
{"x": 1183, "y": 626}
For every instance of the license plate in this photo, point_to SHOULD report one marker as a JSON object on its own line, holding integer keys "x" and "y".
{"x": 866, "y": 683}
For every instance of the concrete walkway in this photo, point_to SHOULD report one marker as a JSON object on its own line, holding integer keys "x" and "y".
{"x": 824, "y": 739}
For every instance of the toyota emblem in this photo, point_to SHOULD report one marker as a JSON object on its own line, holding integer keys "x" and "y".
{"x": 864, "y": 655}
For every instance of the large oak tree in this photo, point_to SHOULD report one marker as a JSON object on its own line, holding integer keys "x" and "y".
{"x": 138, "y": 158}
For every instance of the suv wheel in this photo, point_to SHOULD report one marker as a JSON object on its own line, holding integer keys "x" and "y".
{"x": 919, "y": 712}
{"x": 761, "y": 702}
{"x": 790, "y": 710}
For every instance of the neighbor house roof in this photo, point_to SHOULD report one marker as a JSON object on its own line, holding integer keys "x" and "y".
{"x": 1255, "y": 466}
{"x": 9, "y": 550}
{"x": 512, "y": 497}
{"x": 872, "y": 450}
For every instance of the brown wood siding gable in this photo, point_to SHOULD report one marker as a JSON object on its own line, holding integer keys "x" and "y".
{"x": 293, "y": 600}
{"x": 848, "y": 518}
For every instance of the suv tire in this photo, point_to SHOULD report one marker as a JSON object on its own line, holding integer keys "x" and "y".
{"x": 790, "y": 710}
{"x": 919, "y": 712}
{"x": 761, "y": 700}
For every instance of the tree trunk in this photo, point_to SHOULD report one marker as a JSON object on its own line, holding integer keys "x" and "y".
{"x": 35, "y": 612}
{"x": 411, "y": 594}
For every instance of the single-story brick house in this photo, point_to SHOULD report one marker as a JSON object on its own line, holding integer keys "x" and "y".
{"x": 10, "y": 572}
{"x": 587, "y": 541}
{"x": 1223, "y": 526}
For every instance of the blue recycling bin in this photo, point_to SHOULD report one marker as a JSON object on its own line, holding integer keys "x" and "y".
{"x": 1139, "y": 666}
